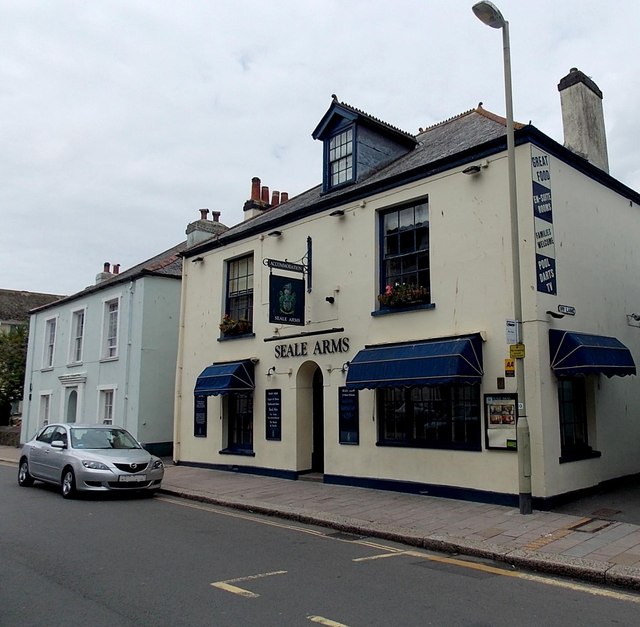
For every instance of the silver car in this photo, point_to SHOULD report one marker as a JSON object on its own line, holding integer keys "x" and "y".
{"x": 91, "y": 458}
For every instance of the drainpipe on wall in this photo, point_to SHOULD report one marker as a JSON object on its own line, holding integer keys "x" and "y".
{"x": 127, "y": 366}
{"x": 177, "y": 401}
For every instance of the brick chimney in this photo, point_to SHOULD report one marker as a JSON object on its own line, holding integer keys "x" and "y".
{"x": 583, "y": 118}
{"x": 259, "y": 201}
{"x": 106, "y": 272}
{"x": 204, "y": 229}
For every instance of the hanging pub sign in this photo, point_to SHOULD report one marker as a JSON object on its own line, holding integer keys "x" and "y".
{"x": 286, "y": 300}
{"x": 543, "y": 222}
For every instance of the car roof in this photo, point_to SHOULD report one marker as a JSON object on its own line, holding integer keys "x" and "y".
{"x": 79, "y": 425}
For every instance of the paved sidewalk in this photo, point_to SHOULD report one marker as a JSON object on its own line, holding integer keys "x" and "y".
{"x": 583, "y": 547}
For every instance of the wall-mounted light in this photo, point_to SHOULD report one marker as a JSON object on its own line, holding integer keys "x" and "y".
{"x": 330, "y": 300}
{"x": 273, "y": 371}
{"x": 197, "y": 260}
{"x": 633, "y": 319}
{"x": 343, "y": 368}
{"x": 275, "y": 234}
{"x": 338, "y": 213}
{"x": 476, "y": 168}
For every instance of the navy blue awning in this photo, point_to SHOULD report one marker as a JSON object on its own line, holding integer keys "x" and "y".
{"x": 222, "y": 378}
{"x": 583, "y": 353}
{"x": 433, "y": 362}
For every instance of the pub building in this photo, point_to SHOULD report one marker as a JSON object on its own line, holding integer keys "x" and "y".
{"x": 363, "y": 331}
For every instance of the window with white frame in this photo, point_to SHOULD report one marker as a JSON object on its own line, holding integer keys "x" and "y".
{"x": 107, "y": 397}
{"x": 44, "y": 415}
{"x": 340, "y": 158}
{"x": 49, "y": 343}
{"x": 110, "y": 332}
{"x": 77, "y": 337}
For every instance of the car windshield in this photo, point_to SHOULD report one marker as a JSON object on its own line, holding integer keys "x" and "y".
{"x": 102, "y": 438}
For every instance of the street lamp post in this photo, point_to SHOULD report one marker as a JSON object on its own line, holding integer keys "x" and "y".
{"x": 490, "y": 15}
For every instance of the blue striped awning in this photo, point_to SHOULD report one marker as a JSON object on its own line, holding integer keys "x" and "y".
{"x": 222, "y": 378}
{"x": 433, "y": 362}
{"x": 583, "y": 353}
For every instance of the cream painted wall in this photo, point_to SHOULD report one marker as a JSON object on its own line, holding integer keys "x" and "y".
{"x": 472, "y": 291}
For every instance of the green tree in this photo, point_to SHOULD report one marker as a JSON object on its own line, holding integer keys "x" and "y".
{"x": 13, "y": 356}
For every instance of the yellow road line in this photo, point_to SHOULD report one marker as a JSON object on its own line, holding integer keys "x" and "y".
{"x": 325, "y": 621}
{"x": 235, "y": 590}
{"x": 235, "y": 514}
{"x": 558, "y": 583}
{"x": 226, "y": 585}
{"x": 371, "y": 558}
{"x": 393, "y": 551}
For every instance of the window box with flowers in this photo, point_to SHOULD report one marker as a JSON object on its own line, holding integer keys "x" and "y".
{"x": 230, "y": 327}
{"x": 403, "y": 295}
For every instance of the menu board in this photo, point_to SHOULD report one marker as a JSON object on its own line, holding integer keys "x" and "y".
{"x": 273, "y": 404}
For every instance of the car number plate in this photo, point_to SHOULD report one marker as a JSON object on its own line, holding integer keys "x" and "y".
{"x": 132, "y": 478}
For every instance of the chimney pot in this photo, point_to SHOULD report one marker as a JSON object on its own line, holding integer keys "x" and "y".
{"x": 106, "y": 267}
{"x": 255, "y": 188}
{"x": 275, "y": 198}
{"x": 116, "y": 268}
{"x": 215, "y": 216}
{"x": 203, "y": 214}
{"x": 265, "y": 195}
{"x": 284, "y": 196}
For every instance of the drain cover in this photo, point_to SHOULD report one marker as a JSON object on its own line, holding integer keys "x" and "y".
{"x": 605, "y": 512}
{"x": 591, "y": 525}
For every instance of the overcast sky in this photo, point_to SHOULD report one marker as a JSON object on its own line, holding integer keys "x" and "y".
{"x": 119, "y": 119}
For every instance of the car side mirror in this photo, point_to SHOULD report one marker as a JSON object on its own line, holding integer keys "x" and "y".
{"x": 58, "y": 444}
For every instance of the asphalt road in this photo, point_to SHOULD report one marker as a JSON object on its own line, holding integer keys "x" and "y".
{"x": 166, "y": 561}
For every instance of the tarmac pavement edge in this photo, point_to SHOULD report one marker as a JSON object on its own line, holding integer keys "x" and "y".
{"x": 591, "y": 571}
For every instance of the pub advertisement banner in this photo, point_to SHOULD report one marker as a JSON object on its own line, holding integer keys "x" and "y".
{"x": 543, "y": 222}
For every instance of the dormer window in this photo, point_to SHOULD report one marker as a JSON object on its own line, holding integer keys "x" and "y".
{"x": 341, "y": 157}
{"x": 356, "y": 145}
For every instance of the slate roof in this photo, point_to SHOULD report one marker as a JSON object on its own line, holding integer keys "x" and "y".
{"x": 339, "y": 108}
{"x": 436, "y": 143}
{"x": 15, "y": 304}
{"x": 166, "y": 264}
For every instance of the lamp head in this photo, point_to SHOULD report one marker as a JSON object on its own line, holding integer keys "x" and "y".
{"x": 489, "y": 14}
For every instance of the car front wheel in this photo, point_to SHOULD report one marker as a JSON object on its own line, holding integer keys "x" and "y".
{"x": 68, "y": 483}
{"x": 24, "y": 476}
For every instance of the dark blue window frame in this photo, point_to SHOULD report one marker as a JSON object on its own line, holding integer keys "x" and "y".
{"x": 328, "y": 174}
{"x": 405, "y": 247}
{"x": 239, "y": 292}
{"x": 574, "y": 427}
{"x": 439, "y": 416}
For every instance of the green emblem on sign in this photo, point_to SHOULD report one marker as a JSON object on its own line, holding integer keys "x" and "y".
{"x": 287, "y": 299}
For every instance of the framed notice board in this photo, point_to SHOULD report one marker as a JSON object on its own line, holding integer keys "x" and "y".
{"x": 348, "y": 416}
{"x": 273, "y": 404}
{"x": 200, "y": 416}
{"x": 501, "y": 418}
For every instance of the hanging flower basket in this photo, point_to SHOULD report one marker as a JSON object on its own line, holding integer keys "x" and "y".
{"x": 229, "y": 326}
{"x": 403, "y": 295}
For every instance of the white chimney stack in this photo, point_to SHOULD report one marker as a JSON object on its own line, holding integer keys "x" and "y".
{"x": 583, "y": 118}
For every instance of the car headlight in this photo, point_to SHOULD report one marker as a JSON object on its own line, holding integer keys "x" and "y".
{"x": 157, "y": 463}
{"x": 87, "y": 463}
